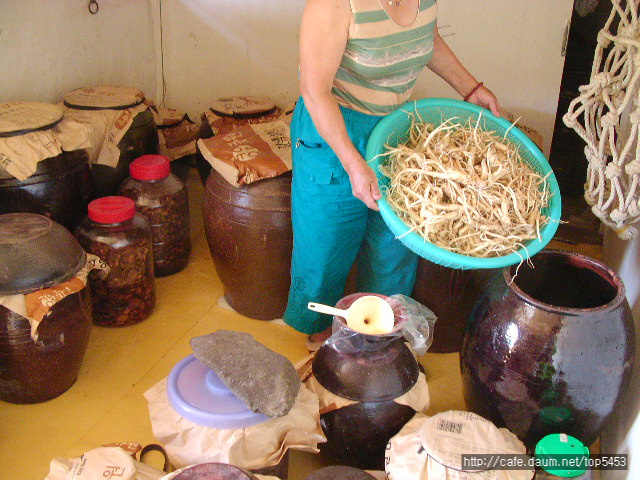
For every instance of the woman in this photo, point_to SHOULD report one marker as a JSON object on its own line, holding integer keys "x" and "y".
{"x": 359, "y": 60}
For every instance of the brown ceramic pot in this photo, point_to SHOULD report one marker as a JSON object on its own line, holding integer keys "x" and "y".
{"x": 35, "y": 254}
{"x": 214, "y": 471}
{"x": 279, "y": 470}
{"x": 450, "y": 293}
{"x": 380, "y": 370}
{"x": 250, "y": 238}
{"x": 36, "y": 371}
{"x": 550, "y": 351}
{"x": 339, "y": 472}
{"x": 60, "y": 188}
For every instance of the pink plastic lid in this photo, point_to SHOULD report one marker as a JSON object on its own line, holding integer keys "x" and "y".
{"x": 112, "y": 209}
{"x": 199, "y": 395}
{"x": 150, "y": 167}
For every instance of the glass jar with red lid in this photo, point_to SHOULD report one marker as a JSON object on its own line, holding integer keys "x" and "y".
{"x": 122, "y": 239}
{"x": 162, "y": 198}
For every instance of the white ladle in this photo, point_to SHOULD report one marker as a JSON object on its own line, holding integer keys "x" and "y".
{"x": 368, "y": 314}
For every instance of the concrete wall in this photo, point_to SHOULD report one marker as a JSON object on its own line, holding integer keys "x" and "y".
{"x": 205, "y": 49}
{"x": 50, "y": 47}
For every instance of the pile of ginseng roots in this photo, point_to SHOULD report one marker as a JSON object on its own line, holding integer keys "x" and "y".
{"x": 465, "y": 190}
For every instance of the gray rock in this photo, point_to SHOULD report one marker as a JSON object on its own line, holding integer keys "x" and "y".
{"x": 264, "y": 380}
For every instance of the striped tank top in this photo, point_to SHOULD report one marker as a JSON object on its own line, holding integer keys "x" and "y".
{"x": 382, "y": 60}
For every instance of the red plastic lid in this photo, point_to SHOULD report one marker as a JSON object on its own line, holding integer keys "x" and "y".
{"x": 150, "y": 167}
{"x": 112, "y": 209}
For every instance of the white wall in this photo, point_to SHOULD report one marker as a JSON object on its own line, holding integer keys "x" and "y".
{"x": 220, "y": 48}
{"x": 622, "y": 434}
{"x": 214, "y": 49}
{"x": 514, "y": 48}
{"x": 217, "y": 48}
{"x": 48, "y": 48}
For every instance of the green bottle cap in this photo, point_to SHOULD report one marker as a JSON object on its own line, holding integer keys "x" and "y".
{"x": 562, "y": 455}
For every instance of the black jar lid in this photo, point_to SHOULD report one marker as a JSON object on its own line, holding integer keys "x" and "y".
{"x": 36, "y": 253}
{"x": 340, "y": 472}
{"x": 20, "y": 118}
{"x": 104, "y": 97}
{"x": 214, "y": 471}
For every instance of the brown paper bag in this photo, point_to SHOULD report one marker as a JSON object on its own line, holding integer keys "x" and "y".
{"x": 250, "y": 153}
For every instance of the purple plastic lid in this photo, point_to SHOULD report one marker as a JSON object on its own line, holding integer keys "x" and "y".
{"x": 199, "y": 395}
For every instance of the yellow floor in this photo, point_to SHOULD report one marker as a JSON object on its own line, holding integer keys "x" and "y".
{"x": 106, "y": 403}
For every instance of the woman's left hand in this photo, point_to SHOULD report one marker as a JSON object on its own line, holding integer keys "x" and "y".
{"x": 485, "y": 98}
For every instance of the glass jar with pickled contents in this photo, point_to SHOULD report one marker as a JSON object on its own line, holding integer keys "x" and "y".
{"x": 122, "y": 239}
{"x": 162, "y": 198}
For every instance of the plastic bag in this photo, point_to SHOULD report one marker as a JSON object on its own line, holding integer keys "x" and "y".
{"x": 413, "y": 321}
{"x": 103, "y": 462}
{"x": 431, "y": 448}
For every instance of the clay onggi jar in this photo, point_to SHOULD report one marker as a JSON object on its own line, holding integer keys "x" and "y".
{"x": 214, "y": 471}
{"x": 450, "y": 293}
{"x": 550, "y": 350}
{"x": 250, "y": 238}
{"x": 61, "y": 186}
{"x": 37, "y": 253}
{"x": 198, "y": 394}
{"x": 140, "y": 138}
{"x": 379, "y": 371}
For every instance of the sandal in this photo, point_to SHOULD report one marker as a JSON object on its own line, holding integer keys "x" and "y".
{"x": 311, "y": 345}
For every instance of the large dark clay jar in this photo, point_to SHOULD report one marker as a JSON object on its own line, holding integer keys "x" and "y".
{"x": 550, "y": 351}
{"x": 141, "y": 137}
{"x": 380, "y": 371}
{"x": 450, "y": 293}
{"x": 250, "y": 238}
{"x": 36, "y": 371}
{"x": 60, "y": 188}
{"x": 35, "y": 254}
{"x": 340, "y": 472}
{"x": 59, "y": 185}
{"x": 215, "y": 471}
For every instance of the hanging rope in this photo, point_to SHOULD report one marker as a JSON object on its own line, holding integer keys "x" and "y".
{"x": 613, "y": 148}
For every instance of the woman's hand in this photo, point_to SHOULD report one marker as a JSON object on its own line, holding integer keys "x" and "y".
{"x": 364, "y": 183}
{"x": 485, "y": 98}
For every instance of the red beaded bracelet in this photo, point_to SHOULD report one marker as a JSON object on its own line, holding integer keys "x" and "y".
{"x": 474, "y": 90}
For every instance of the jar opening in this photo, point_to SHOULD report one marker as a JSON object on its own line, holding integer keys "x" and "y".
{"x": 566, "y": 281}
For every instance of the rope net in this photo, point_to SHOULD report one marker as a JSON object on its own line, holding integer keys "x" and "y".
{"x": 606, "y": 115}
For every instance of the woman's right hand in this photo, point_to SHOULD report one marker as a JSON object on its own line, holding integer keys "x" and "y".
{"x": 364, "y": 183}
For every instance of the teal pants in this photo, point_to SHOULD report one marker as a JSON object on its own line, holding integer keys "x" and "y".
{"x": 332, "y": 228}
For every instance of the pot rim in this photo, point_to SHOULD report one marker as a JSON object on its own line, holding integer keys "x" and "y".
{"x": 597, "y": 266}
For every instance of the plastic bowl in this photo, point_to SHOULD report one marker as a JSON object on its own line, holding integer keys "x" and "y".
{"x": 393, "y": 130}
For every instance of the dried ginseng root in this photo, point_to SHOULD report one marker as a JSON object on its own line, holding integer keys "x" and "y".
{"x": 465, "y": 190}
